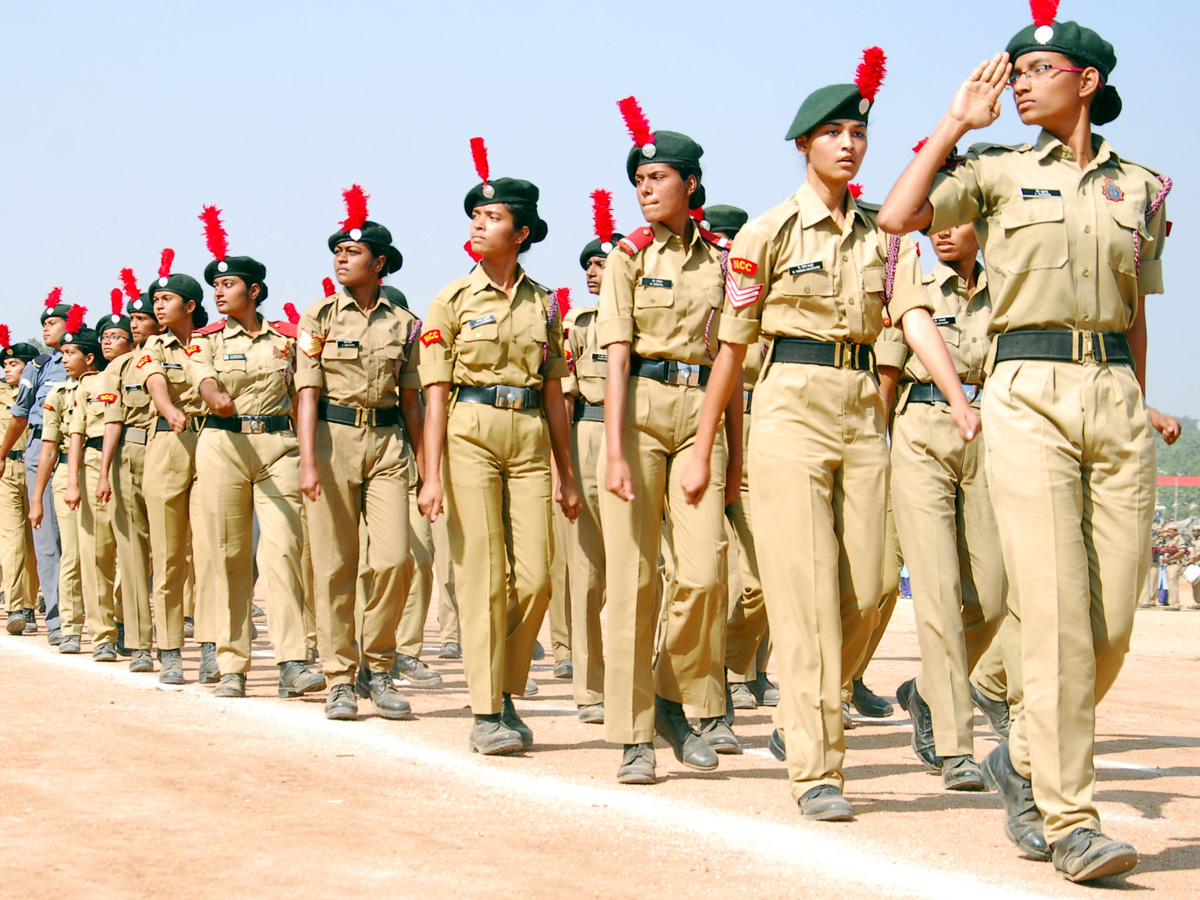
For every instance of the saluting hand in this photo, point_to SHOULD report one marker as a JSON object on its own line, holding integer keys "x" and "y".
{"x": 1167, "y": 426}
{"x": 977, "y": 103}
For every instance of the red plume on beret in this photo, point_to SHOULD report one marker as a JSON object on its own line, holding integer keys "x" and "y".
{"x": 5, "y": 337}
{"x": 636, "y": 121}
{"x": 855, "y": 189}
{"x": 54, "y": 298}
{"x": 327, "y": 286}
{"x": 1043, "y": 11}
{"x": 563, "y": 297}
{"x": 602, "y": 215}
{"x": 75, "y": 318}
{"x": 130, "y": 284}
{"x": 117, "y": 301}
{"x": 479, "y": 157}
{"x": 356, "y": 207}
{"x": 475, "y": 257}
{"x": 214, "y": 233}
{"x": 164, "y": 267}
{"x": 293, "y": 314}
{"x": 871, "y": 72}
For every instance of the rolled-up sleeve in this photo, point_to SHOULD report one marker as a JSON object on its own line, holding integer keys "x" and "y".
{"x": 614, "y": 323}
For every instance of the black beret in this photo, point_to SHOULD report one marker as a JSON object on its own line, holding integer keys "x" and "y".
{"x": 511, "y": 192}
{"x": 375, "y": 236}
{"x": 1082, "y": 45}
{"x": 676, "y": 150}
{"x": 250, "y": 270}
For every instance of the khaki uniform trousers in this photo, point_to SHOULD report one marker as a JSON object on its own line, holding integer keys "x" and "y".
{"x": 585, "y": 565}
{"x": 246, "y": 476}
{"x": 990, "y": 676}
{"x": 309, "y": 597}
{"x": 497, "y": 483}
{"x": 444, "y": 572}
{"x": 131, "y": 530}
{"x": 174, "y": 505}
{"x": 17, "y": 559}
{"x": 818, "y": 484}
{"x": 1173, "y": 571}
{"x": 97, "y": 555}
{"x": 410, "y": 636}
{"x": 948, "y": 534}
{"x": 747, "y": 644}
{"x": 70, "y": 583}
{"x": 893, "y": 562}
{"x": 560, "y": 587}
{"x": 1071, "y": 464}
{"x": 659, "y": 436}
{"x": 364, "y": 482}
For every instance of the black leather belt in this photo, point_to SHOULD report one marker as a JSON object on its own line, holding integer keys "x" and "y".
{"x": 588, "y": 412}
{"x": 35, "y": 432}
{"x": 62, "y": 458}
{"x": 837, "y": 354}
{"x": 385, "y": 417}
{"x": 250, "y": 424}
{"x": 747, "y": 401}
{"x": 16, "y": 455}
{"x": 94, "y": 443}
{"x": 135, "y": 435}
{"x": 194, "y": 423}
{"x": 669, "y": 371}
{"x": 1064, "y": 345}
{"x": 928, "y": 392}
{"x": 501, "y": 396}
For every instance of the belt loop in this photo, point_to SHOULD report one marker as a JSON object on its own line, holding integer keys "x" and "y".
{"x": 839, "y": 354}
{"x": 1101, "y": 349}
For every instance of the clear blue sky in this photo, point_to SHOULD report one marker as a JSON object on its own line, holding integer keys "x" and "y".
{"x": 122, "y": 119}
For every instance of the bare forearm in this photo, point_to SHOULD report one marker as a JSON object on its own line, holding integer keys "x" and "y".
{"x": 74, "y": 460}
{"x": 907, "y": 205}
{"x": 156, "y": 387}
{"x": 556, "y": 419}
{"x": 724, "y": 382}
{"x": 437, "y": 398}
{"x": 414, "y": 424}
{"x": 616, "y": 394}
{"x": 1136, "y": 336}
{"x": 306, "y": 424}
{"x": 13, "y": 434}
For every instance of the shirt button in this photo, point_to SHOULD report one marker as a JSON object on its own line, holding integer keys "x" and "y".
{"x": 1087, "y": 272}
{"x": 845, "y": 258}
{"x": 1087, "y": 229}
{"x": 974, "y": 340}
{"x": 851, "y": 301}
{"x": 808, "y": 290}
{"x": 1084, "y": 192}
{"x": 1086, "y": 317}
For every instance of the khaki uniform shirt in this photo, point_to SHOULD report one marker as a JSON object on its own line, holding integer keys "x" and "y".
{"x": 664, "y": 300}
{"x": 793, "y": 272}
{"x": 56, "y": 413}
{"x": 165, "y": 355}
{"x": 588, "y": 358}
{"x": 257, "y": 372}
{"x": 132, "y": 406}
{"x": 475, "y": 335}
{"x": 961, "y": 320}
{"x": 91, "y": 400}
{"x": 357, "y": 358}
{"x": 8, "y": 396}
{"x": 1060, "y": 243}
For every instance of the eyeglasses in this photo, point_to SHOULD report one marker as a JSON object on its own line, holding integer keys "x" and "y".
{"x": 1038, "y": 73}
{"x": 107, "y": 337}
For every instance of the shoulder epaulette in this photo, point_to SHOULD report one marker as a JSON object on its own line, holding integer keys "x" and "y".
{"x": 41, "y": 360}
{"x": 869, "y": 207}
{"x": 927, "y": 278}
{"x": 212, "y": 327}
{"x": 577, "y": 313}
{"x": 637, "y": 241}
{"x": 287, "y": 329}
{"x": 717, "y": 240}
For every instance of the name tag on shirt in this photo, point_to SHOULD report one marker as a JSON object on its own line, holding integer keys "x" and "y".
{"x": 235, "y": 356}
{"x": 815, "y": 266}
{"x": 168, "y": 365}
{"x": 656, "y": 282}
{"x": 341, "y": 344}
{"x": 600, "y": 357}
{"x": 944, "y": 320}
{"x": 1036, "y": 193}
{"x": 133, "y": 387}
{"x": 482, "y": 320}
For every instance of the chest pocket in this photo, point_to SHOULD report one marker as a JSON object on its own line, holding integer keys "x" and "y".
{"x": 134, "y": 396}
{"x": 951, "y": 335}
{"x": 331, "y": 350}
{"x": 1128, "y": 230}
{"x": 479, "y": 345}
{"x": 1035, "y": 235}
{"x": 806, "y": 289}
{"x": 223, "y": 363}
{"x": 652, "y": 296}
{"x": 175, "y": 373}
{"x": 874, "y": 279}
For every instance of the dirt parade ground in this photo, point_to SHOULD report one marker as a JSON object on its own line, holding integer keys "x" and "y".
{"x": 117, "y": 786}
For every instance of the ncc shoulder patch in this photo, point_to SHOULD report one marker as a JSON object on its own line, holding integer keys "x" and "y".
{"x": 107, "y": 398}
{"x": 141, "y": 362}
{"x": 49, "y": 406}
{"x": 639, "y": 240}
{"x": 194, "y": 348}
{"x": 432, "y": 336}
{"x": 743, "y": 266}
{"x": 309, "y": 344}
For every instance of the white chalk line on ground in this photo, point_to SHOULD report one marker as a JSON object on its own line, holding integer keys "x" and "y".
{"x": 811, "y": 847}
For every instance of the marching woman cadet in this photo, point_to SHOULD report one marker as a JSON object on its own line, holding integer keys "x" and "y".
{"x": 585, "y": 541}
{"x": 247, "y": 460}
{"x": 355, "y": 379}
{"x": 659, "y": 309}
{"x": 20, "y": 584}
{"x": 52, "y": 472}
{"x": 97, "y": 546}
{"x": 944, "y": 515}
{"x": 815, "y": 274}
{"x": 127, "y": 423}
{"x": 175, "y": 513}
{"x": 1073, "y": 237}
{"x": 496, "y": 337}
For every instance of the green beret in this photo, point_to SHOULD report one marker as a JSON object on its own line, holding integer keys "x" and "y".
{"x": 395, "y": 295}
{"x": 595, "y": 248}
{"x": 828, "y": 104}
{"x": 512, "y": 192}
{"x": 1083, "y": 46}
{"x": 250, "y": 270}
{"x": 23, "y": 351}
{"x": 88, "y": 341}
{"x": 141, "y": 305}
{"x": 726, "y": 220}
{"x": 61, "y": 311}
{"x": 376, "y": 237}
{"x": 186, "y": 287}
{"x": 677, "y": 150}
{"x": 114, "y": 320}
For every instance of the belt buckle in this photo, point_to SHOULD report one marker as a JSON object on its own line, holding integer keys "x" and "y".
{"x": 842, "y": 358}
{"x": 687, "y": 374}
{"x": 253, "y": 425}
{"x": 972, "y": 391}
{"x": 1088, "y": 349}
{"x": 364, "y": 417}
{"x": 508, "y": 397}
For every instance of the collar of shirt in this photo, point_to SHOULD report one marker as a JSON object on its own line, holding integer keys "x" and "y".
{"x": 943, "y": 272}
{"x": 813, "y": 209}
{"x": 1101, "y": 151}
{"x": 345, "y": 301}
{"x": 234, "y": 328}
{"x": 479, "y": 281}
{"x": 663, "y": 237}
